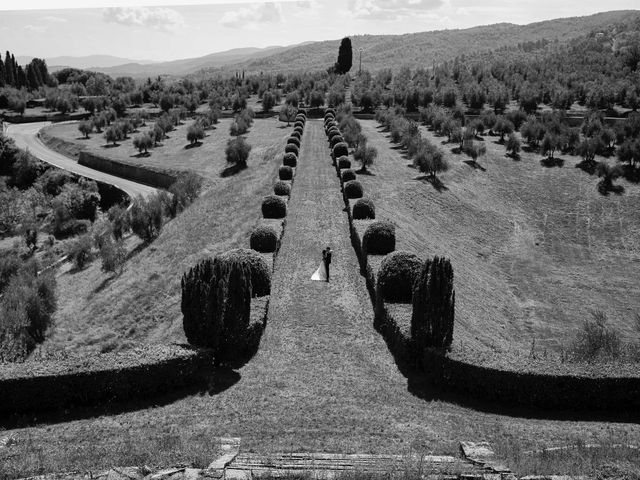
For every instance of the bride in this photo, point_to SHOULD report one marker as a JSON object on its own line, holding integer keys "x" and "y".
{"x": 321, "y": 273}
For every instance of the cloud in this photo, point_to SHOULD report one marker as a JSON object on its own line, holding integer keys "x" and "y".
{"x": 391, "y": 9}
{"x": 253, "y": 15}
{"x": 35, "y": 28}
{"x": 165, "y": 19}
{"x": 53, "y": 19}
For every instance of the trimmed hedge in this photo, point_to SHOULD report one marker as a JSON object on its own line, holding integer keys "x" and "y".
{"x": 396, "y": 277}
{"x": 353, "y": 189}
{"x": 293, "y": 141}
{"x": 344, "y": 162}
{"x": 364, "y": 209}
{"x": 285, "y": 172}
{"x": 299, "y": 123}
{"x": 348, "y": 175}
{"x": 379, "y": 238}
{"x": 290, "y": 159}
{"x": 290, "y": 147}
{"x": 274, "y": 207}
{"x": 260, "y": 271}
{"x": 264, "y": 239}
{"x": 118, "y": 376}
{"x": 295, "y": 134}
{"x": 335, "y": 139}
{"x": 340, "y": 149}
{"x": 333, "y": 131}
{"x": 282, "y": 188}
{"x": 298, "y": 130}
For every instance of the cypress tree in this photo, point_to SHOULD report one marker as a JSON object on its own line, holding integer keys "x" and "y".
{"x": 2, "y": 73}
{"x": 21, "y": 78}
{"x": 9, "y": 73}
{"x": 433, "y": 305}
{"x": 345, "y": 56}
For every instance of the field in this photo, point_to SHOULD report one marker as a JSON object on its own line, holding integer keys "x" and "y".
{"x": 323, "y": 379}
{"x": 176, "y": 154}
{"x": 534, "y": 249}
{"x": 101, "y": 312}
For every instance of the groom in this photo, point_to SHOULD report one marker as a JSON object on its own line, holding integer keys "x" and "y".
{"x": 326, "y": 257}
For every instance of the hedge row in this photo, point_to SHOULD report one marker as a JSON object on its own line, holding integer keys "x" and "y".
{"x": 121, "y": 376}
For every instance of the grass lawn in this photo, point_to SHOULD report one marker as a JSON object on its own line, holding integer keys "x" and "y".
{"x": 534, "y": 249}
{"x": 323, "y": 379}
{"x": 175, "y": 154}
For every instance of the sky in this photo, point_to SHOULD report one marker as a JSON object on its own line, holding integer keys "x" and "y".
{"x": 159, "y": 31}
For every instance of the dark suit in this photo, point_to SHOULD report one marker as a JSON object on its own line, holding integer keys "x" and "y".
{"x": 327, "y": 262}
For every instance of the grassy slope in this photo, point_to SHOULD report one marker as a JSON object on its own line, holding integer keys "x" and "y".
{"x": 322, "y": 380}
{"x": 99, "y": 311}
{"x": 533, "y": 248}
{"x": 421, "y": 49}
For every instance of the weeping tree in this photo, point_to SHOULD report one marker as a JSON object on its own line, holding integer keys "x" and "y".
{"x": 433, "y": 305}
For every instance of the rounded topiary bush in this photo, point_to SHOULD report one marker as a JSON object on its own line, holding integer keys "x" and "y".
{"x": 295, "y": 134}
{"x": 291, "y": 148}
{"x": 396, "y": 276}
{"x": 340, "y": 149}
{"x": 299, "y": 131}
{"x": 329, "y": 111}
{"x": 329, "y": 123}
{"x": 353, "y": 189}
{"x": 301, "y": 116}
{"x": 333, "y": 131}
{"x": 294, "y": 141}
{"x": 282, "y": 188}
{"x": 263, "y": 239}
{"x": 274, "y": 207}
{"x": 302, "y": 111}
{"x": 260, "y": 271}
{"x": 290, "y": 159}
{"x": 335, "y": 139}
{"x": 299, "y": 123}
{"x": 344, "y": 162}
{"x": 285, "y": 172}
{"x": 379, "y": 238}
{"x": 348, "y": 175}
{"x": 364, "y": 209}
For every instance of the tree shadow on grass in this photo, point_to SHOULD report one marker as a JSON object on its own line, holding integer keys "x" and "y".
{"x": 552, "y": 162}
{"x": 475, "y": 165}
{"x": 434, "y": 181}
{"x": 231, "y": 170}
{"x": 360, "y": 171}
{"x": 529, "y": 149}
{"x": 587, "y": 167}
{"x": 605, "y": 189}
{"x": 141, "y": 155}
{"x": 110, "y": 145}
{"x": 513, "y": 156}
{"x": 193, "y": 145}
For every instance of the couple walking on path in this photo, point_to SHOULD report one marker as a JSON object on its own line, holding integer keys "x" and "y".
{"x": 322, "y": 273}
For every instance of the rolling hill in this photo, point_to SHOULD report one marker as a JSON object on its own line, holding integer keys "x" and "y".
{"x": 90, "y": 62}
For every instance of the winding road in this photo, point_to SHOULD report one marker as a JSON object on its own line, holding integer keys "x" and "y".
{"x": 26, "y": 137}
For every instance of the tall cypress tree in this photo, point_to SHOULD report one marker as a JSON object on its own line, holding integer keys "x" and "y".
{"x": 2, "y": 73}
{"x": 345, "y": 56}
{"x": 21, "y": 77}
{"x": 10, "y": 78}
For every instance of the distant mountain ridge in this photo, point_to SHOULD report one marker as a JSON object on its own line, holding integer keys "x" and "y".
{"x": 87, "y": 62}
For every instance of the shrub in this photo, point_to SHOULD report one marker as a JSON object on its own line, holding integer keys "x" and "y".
{"x": 596, "y": 340}
{"x": 293, "y": 141}
{"x": 259, "y": 269}
{"x": 335, "y": 139}
{"x": 185, "y": 190}
{"x": 298, "y": 124}
{"x": 364, "y": 209}
{"x": 333, "y": 131}
{"x": 264, "y": 239}
{"x": 290, "y": 159}
{"x": 296, "y": 135}
{"x": 353, "y": 189}
{"x": 237, "y": 152}
{"x": 9, "y": 266}
{"x": 291, "y": 148}
{"x": 79, "y": 251}
{"x": 282, "y": 188}
{"x": 379, "y": 238}
{"x": 285, "y": 172}
{"x": 298, "y": 130}
{"x": 344, "y": 162}
{"x": 274, "y": 207}
{"x": 119, "y": 218}
{"x": 146, "y": 217}
{"x": 348, "y": 175}
{"x": 113, "y": 254}
{"x": 433, "y": 305}
{"x": 398, "y": 272}
{"x": 341, "y": 149}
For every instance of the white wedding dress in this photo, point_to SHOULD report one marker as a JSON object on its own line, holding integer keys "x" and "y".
{"x": 320, "y": 274}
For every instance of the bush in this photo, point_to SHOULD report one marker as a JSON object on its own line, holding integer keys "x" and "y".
{"x": 274, "y": 207}
{"x": 259, "y": 269}
{"x": 298, "y": 130}
{"x": 9, "y": 266}
{"x": 335, "y": 139}
{"x": 596, "y": 340}
{"x": 353, "y": 189}
{"x": 185, "y": 190}
{"x": 340, "y": 149}
{"x": 294, "y": 141}
{"x": 264, "y": 239}
{"x": 291, "y": 148}
{"x": 146, "y": 217}
{"x": 344, "y": 162}
{"x": 79, "y": 251}
{"x": 119, "y": 218}
{"x": 333, "y": 131}
{"x": 298, "y": 124}
{"x": 290, "y": 159}
{"x": 282, "y": 188}
{"x": 113, "y": 255}
{"x": 237, "y": 152}
{"x": 379, "y": 238}
{"x": 348, "y": 175}
{"x": 285, "y": 172}
{"x": 398, "y": 272}
{"x": 364, "y": 209}
{"x": 433, "y": 305}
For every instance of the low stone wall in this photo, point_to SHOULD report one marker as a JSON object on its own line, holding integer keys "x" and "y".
{"x": 134, "y": 374}
{"x": 137, "y": 173}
